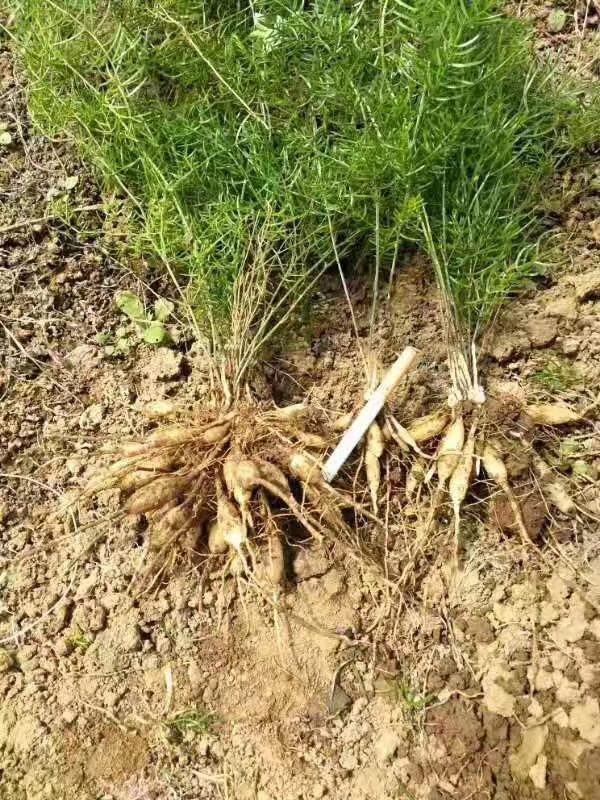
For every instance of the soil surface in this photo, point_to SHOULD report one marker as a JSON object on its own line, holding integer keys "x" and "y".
{"x": 477, "y": 683}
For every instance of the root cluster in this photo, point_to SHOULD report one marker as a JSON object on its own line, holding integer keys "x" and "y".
{"x": 219, "y": 483}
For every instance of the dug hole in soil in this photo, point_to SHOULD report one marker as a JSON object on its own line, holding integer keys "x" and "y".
{"x": 481, "y": 685}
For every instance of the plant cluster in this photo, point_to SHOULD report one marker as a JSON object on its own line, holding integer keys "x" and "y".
{"x": 259, "y": 143}
{"x": 278, "y": 136}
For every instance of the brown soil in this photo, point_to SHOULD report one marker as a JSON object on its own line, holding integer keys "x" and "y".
{"x": 478, "y": 684}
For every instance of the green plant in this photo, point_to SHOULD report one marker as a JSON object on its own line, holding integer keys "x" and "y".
{"x": 193, "y": 721}
{"x": 571, "y": 454}
{"x": 278, "y": 137}
{"x": 557, "y": 20}
{"x": 398, "y": 691}
{"x": 258, "y": 144}
{"x": 143, "y": 324}
{"x": 79, "y": 640}
{"x": 151, "y": 324}
{"x": 556, "y": 376}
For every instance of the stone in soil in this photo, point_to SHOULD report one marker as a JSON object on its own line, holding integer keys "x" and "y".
{"x": 385, "y": 747}
{"x": 588, "y": 774}
{"x": 537, "y": 772}
{"x": 497, "y": 700}
{"x": 565, "y": 307}
{"x": 348, "y": 761}
{"x": 585, "y": 718}
{"x": 310, "y": 563}
{"x": 533, "y": 511}
{"x": 113, "y": 646}
{"x": 83, "y": 358}
{"x": 165, "y": 365}
{"x": 587, "y": 285}
{"x": 339, "y": 701}
{"x": 570, "y": 345}
{"x": 542, "y": 331}
{"x": 27, "y": 730}
{"x": 504, "y": 346}
{"x": 532, "y": 745}
{"x": 91, "y": 417}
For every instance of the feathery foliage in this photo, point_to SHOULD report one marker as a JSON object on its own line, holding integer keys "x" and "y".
{"x": 291, "y": 133}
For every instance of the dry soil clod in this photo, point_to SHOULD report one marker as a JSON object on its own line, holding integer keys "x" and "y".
{"x": 553, "y": 487}
{"x": 159, "y": 409}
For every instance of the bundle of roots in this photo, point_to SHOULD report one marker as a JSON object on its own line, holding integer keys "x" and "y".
{"x": 220, "y": 482}
{"x": 471, "y": 445}
{"x": 223, "y": 482}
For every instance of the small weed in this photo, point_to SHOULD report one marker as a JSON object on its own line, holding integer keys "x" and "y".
{"x": 399, "y": 691}
{"x": 572, "y": 455}
{"x": 141, "y": 325}
{"x": 80, "y": 640}
{"x": 557, "y": 20}
{"x": 573, "y": 448}
{"x": 556, "y": 376}
{"x": 405, "y": 792}
{"x": 414, "y": 701}
{"x": 6, "y": 660}
{"x": 195, "y": 721}
{"x": 150, "y": 324}
{"x": 581, "y": 468}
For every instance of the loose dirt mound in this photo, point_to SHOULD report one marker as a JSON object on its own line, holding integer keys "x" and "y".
{"x": 480, "y": 684}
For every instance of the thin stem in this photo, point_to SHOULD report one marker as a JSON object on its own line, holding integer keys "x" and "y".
{"x": 348, "y": 300}
{"x": 375, "y": 290}
{"x": 212, "y": 68}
